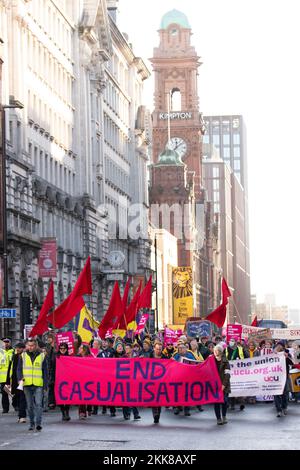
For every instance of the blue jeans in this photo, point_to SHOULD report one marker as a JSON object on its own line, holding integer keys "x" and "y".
{"x": 34, "y": 400}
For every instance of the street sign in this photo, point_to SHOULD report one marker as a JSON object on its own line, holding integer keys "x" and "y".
{"x": 8, "y": 313}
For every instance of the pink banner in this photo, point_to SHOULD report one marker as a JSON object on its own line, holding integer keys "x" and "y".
{"x": 171, "y": 336}
{"x": 142, "y": 323}
{"x": 47, "y": 258}
{"x": 136, "y": 382}
{"x": 234, "y": 332}
{"x": 66, "y": 337}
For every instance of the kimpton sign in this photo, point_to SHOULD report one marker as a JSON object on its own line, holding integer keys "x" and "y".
{"x": 176, "y": 115}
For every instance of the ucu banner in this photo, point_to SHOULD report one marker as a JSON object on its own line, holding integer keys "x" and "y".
{"x": 263, "y": 375}
{"x": 136, "y": 382}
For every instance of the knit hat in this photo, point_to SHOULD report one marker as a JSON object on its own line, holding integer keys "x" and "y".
{"x": 117, "y": 344}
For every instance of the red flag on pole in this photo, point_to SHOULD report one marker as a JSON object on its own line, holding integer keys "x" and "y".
{"x": 218, "y": 316}
{"x": 125, "y": 295}
{"x": 74, "y": 302}
{"x": 145, "y": 300}
{"x": 114, "y": 312}
{"x": 254, "y": 323}
{"x": 131, "y": 310}
{"x": 41, "y": 324}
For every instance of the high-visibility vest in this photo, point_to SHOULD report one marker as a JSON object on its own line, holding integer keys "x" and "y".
{"x": 240, "y": 350}
{"x": 5, "y": 359}
{"x": 33, "y": 372}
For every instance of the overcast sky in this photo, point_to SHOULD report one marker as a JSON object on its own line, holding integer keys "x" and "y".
{"x": 250, "y": 54}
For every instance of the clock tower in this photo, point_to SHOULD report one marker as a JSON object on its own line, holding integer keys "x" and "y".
{"x": 175, "y": 64}
{"x": 176, "y": 177}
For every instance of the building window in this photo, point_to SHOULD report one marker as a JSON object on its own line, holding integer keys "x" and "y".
{"x": 216, "y": 140}
{"x": 237, "y": 165}
{"x": 206, "y": 139}
{"x": 175, "y": 100}
{"x": 226, "y": 153}
{"x": 216, "y": 172}
{"x": 236, "y": 152}
{"x": 226, "y": 139}
{"x": 236, "y": 139}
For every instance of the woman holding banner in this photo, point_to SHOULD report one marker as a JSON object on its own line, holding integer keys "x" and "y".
{"x": 223, "y": 368}
{"x": 84, "y": 351}
{"x": 63, "y": 350}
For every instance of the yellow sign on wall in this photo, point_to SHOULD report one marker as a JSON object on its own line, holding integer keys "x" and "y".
{"x": 182, "y": 288}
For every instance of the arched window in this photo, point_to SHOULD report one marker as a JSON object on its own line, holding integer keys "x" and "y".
{"x": 175, "y": 100}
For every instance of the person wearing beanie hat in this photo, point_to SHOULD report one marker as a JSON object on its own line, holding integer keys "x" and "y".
{"x": 223, "y": 369}
{"x": 119, "y": 349}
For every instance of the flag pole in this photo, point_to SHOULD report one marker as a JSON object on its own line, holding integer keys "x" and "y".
{"x": 236, "y": 309}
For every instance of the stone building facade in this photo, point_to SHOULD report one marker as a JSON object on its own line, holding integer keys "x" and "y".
{"x": 74, "y": 150}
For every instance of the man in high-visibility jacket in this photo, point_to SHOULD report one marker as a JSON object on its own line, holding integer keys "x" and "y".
{"x": 4, "y": 366}
{"x": 32, "y": 371}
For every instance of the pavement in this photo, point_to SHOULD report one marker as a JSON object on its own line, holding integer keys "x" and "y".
{"x": 255, "y": 428}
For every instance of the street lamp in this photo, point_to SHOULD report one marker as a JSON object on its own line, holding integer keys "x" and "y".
{"x": 14, "y": 104}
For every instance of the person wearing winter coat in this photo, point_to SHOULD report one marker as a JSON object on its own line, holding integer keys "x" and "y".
{"x": 223, "y": 368}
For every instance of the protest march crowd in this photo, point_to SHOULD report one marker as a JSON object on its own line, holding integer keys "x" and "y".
{"x": 116, "y": 368}
{"x": 28, "y": 372}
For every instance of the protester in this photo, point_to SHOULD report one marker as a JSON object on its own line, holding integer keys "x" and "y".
{"x": 233, "y": 352}
{"x": 194, "y": 349}
{"x": 147, "y": 349}
{"x": 183, "y": 353}
{"x": 281, "y": 401}
{"x": 169, "y": 350}
{"x": 107, "y": 352}
{"x": 84, "y": 351}
{"x": 50, "y": 358}
{"x": 77, "y": 342}
{"x": 6, "y": 359}
{"x": 128, "y": 409}
{"x": 33, "y": 373}
{"x": 157, "y": 354}
{"x": 223, "y": 368}
{"x": 63, "y": 350}
{"x": 136, "y": 349}
{"x": 18, "y": 400}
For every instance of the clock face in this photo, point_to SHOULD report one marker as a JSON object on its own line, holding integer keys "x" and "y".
{"x": 179, "y": 145}
{"x": 116, "y": 258}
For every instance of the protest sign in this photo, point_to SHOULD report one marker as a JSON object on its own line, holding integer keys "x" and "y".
{"x": 258, "y": 336}
{"x": 263, "y": 375}
{"x": 136, "y": 382}
{"x": 234, "y": 332}
{"x": 295, "y": 380}
{"x": 171, "y": 336}
{"x": 142, "y": 323}
{"x": 66, "y": 337}
{"x": 276, "y": 333}
{"x": 198, "y": 328}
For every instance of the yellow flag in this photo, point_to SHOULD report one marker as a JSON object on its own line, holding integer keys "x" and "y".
{"x": 86, "y": 325}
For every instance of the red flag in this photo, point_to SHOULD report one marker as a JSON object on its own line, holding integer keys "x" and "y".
{"x": 254, "y": 323}
{"x": 74, "y": 302}
{"x": 145, "y": 300}
{"x": 218, "y": 316}
{"x": 125, "y": 295}
{"x": 225, "y": 291}
{"x": 113, "y": 314}
{"x": 131, "y": 310}
{"x": 41, "y": 324}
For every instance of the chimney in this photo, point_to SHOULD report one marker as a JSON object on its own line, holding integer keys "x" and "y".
{"x": 112, "y": 7}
